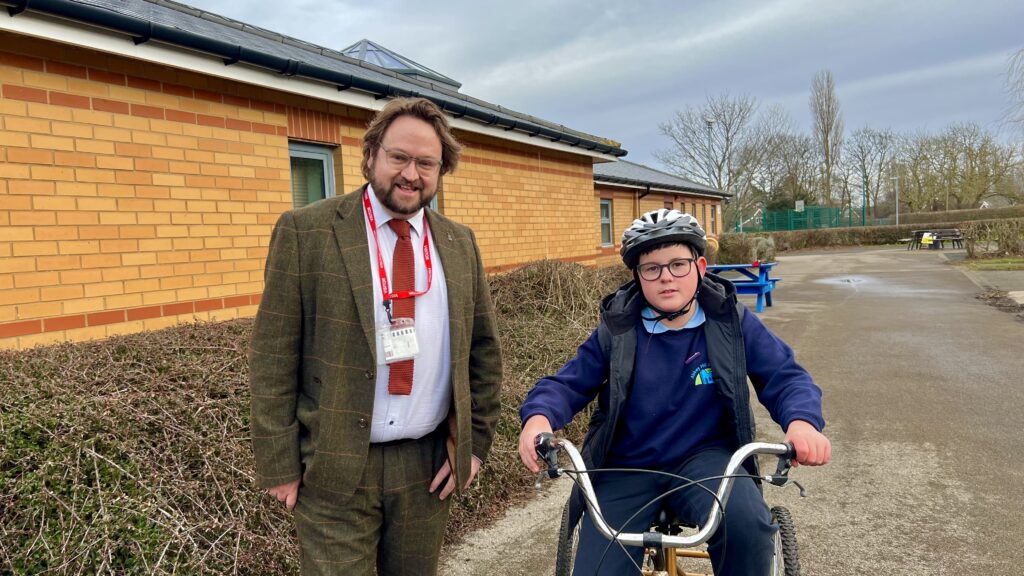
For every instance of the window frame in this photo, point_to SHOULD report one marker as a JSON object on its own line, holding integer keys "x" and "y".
{"x": 314, "y": 152}
{"x": 610, "y": 221}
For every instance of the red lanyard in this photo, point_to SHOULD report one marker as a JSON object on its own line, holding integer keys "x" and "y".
{"x": 383, "y": 274}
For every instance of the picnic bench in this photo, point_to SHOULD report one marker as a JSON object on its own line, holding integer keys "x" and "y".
{"x": 935, "y": 238}
{"x": 753, "y": 278}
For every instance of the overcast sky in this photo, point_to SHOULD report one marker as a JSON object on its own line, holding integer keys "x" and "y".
{"x": 618, "y": 69}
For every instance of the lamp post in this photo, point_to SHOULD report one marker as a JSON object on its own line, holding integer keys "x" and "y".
{"x": 896, "y": 178}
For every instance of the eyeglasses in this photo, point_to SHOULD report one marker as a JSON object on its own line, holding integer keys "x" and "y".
{"x": 679, "y": 268}
{"x": 399, "y": 160}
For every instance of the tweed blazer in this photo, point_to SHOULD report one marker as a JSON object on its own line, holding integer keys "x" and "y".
{"x": 312, "y": 365}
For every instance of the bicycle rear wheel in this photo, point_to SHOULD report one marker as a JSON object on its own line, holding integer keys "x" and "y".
{"x": 786, "y": 561}
{"x": 568, "y": 540}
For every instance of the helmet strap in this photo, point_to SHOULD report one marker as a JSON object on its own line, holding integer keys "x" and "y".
{"x": 670, "y": 316}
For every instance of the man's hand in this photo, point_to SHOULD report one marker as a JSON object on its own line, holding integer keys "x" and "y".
{"x": 535, "y": 425}
{"x": 812, "y": 447}
{"x": 446, "y": 473}
{"x": 287, "y": 493}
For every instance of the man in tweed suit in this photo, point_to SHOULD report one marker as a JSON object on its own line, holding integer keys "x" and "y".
{"x": 366, "y": 466}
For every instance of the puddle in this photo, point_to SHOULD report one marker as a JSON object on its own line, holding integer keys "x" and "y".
{"x": 874, "y": 285}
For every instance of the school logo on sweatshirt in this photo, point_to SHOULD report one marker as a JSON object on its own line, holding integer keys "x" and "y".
{"x": 702, "y": 375}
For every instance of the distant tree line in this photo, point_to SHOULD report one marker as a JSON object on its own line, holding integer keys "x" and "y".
{"x": 759, "y": 156}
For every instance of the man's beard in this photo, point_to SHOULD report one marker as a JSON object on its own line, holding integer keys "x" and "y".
{"x": 386, "y": 195}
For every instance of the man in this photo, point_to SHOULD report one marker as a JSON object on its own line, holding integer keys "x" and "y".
{"x": 668, "y": 364}
{"x": 375, "y": 365}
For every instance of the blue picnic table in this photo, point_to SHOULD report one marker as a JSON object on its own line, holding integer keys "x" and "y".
{"x": 753, "y": 278}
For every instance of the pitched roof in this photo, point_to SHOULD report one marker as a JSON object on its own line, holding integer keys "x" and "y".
{"x": 632, "y": 174}
{"x": 192, "y": 29}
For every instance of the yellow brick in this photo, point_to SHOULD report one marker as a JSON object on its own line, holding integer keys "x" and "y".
{"x": 128, "y": 94}
{"x": 187, "y": 294}
{"x": 162, "y": 100}
{"x": 34, "y": 218}
{"x": 21, "y": 296}
{"x": 90, "y": 175}
{"x": 72, "y": 130}
{"x": 35, "y": 279}
{"x": 61, "y": 293}
{"x": 13, "y": 107}
{"x": 138, "y": 259}
{"x": 33, "y": 125}
{"x": 34, "y": 248}
{"x": 165, "y": 153}
{"x": 41, "y": 339}
{"x": 104, "y": 289}
{"x": 55, "y": 233}
{"x": 94, "y": 146}
{"x": 15, "y": 171}
{"x": 150, "y": 138}
{"x": 52, "y": 142}
{"x": 15, "y": 234}
{"x": 117, "y": 218}
{"x": 53, "y": 173}
{"x": 39, "y": 310}
{"x": 153, "y": 218}
{"x": 112, "y": 134}
{"x": 14, "y": 139}
{"x": 168, "y": 180}
{"x": 93, "y": 117}
{"x": 131, "y": 122}
{"x": 49, "y": 112}
{"x": 19, "y": 265}
{"x": 151, "y": 296}
{"x": 155, "y": 245}
{"x": 88, "y": 88}
{"x": 114, "y": 162}
{"x": 87, "y": 333}
{"x": 124, "y": 301}
{"x": 159, "y": 323}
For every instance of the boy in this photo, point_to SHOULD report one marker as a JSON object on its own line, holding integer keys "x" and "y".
{"x": 668, "y": 363}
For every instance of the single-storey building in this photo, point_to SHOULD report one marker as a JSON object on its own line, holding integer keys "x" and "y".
{"x": 147, "y": 148}
{"x": 626, "y": 189}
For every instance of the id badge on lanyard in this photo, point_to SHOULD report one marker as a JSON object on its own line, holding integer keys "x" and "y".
{"x": 396, "y": 340}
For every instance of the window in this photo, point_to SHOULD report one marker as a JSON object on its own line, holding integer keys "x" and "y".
{"x": 312, "y": 173}
{"x": 703, "y": 215}
{"x": 714, "y": 221}
{"x": 693, "y": 209}
{"x": 606, "y": 223}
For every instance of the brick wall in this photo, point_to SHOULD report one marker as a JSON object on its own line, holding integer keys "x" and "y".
{"x": 135, "y": 196}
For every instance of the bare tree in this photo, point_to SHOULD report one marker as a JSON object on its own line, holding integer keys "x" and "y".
{"x": 869, "y": 153}
{"x": 706, "y": 139}
{"x": 828, "y": 128}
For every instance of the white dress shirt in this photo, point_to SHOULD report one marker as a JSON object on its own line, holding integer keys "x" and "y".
{"x": 419, "y": 413}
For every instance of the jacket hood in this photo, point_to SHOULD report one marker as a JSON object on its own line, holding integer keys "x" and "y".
{"x": 620, "y": 309}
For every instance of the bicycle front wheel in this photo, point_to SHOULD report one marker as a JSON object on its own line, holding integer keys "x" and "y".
{"x": 568, "y": 540}
{"x": 786, "y": 560}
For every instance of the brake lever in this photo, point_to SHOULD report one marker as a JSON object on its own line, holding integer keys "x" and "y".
{"x": 781, "y": 475}
{"x": 547, "y": 449}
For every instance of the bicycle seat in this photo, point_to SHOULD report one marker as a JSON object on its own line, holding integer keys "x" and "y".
{"x": 668, "y": 523}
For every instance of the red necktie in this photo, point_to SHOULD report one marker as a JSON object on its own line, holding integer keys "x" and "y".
{"x": 403, "y": 271}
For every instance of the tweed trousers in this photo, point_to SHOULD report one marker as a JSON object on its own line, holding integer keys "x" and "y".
{"x": 391, "y": 522}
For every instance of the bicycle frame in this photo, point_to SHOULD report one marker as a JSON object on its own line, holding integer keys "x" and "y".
{"x": 551, "y": 445}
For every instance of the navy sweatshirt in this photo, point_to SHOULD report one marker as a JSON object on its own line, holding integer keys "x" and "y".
{"x": 674, "y": 409}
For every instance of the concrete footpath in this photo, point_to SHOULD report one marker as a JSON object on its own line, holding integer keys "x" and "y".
{"x": 925, "y": 408}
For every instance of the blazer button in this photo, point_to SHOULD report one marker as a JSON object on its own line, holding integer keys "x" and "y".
{"x": 316, "y": 379}
{"x": 363, "y": 423}
{"x": 369, "y": 375}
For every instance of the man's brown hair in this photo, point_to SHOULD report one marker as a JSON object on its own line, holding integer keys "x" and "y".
{"x": 417, "y": 108}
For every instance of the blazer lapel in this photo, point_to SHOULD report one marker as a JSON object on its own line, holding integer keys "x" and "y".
{"x": 350, "y": 233}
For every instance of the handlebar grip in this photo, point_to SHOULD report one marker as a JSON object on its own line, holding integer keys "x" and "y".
{"x": 791, "y": 453}
{"x": 547, "y": 449}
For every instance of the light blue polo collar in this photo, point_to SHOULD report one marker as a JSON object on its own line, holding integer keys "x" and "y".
{"x": 656, "y": 327}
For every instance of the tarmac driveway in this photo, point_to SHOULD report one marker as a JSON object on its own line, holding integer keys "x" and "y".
{"x": 925, "y": 407}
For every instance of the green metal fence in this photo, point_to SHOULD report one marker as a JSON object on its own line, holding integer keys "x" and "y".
{"x": 806, "y": 219}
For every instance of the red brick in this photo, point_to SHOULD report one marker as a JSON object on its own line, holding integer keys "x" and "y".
{"x": 144, "y": 313}
{"x": 215, "y": 121}
{"x": 255, "y": 298}
{"x": 179, "y": 308}
{"x": 282, "y": 130}
{"x": 108, "y": 77}
{"x": 264, "y": 128}
{"x": 179, "y": 116}
{"x": 71, "y": 100}
{"x": 207, "y": 305}
{"x": 101, "y": 318}
{"x": 147, "y": 111}
{"x": 19, "y": 61}
{"x": 238, "y": 124}
{"x": 67, "y": 69}
{"x": 236, "y": 301}
{"x": 114, "y": 106}
{"x": 207, "y": 95}
{"x": 263, "y": 106}
{"x": 63, "y": 323}
{"x": 23, "y": 93}
{"x": 236, "y": 101}
{"x": 143, "y": 83}
{"x": 178, "y": 90}
{"x": 13, "y": 329}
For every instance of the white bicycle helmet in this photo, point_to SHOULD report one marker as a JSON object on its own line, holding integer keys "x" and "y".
{"x": 662, "y": 226}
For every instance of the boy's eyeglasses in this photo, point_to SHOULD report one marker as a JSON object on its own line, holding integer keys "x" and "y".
{"x": 678, "y": 268}
{"x": 399, "y": 160}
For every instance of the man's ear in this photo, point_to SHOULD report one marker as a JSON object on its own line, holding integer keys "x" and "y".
{"x": 702, "y": 264}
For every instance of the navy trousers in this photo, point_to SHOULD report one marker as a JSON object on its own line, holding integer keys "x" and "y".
{"x": 742, "y": 545}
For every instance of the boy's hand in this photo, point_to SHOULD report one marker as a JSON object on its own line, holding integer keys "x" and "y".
{"x": 536, "y": 424}
{"x": 812, "y": 447}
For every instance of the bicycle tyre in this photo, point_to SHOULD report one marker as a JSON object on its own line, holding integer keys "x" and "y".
{"x": 786, "y": 560}
{"x": 568, "y": 540}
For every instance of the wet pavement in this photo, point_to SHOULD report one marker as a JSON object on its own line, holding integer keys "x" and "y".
{"x": 925, "y": 406}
